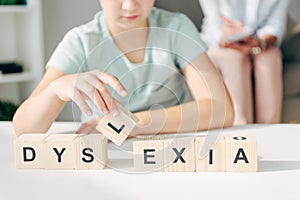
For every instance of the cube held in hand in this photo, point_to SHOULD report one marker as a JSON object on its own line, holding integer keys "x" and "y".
{"x": 117, "y": 128}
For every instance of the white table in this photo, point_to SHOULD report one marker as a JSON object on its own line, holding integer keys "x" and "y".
{"x": 278, "y": 176}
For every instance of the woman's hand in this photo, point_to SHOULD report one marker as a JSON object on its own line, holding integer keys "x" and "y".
{"x": 231, "y": 28}
{"x": 245, "y": 45}
{"x": 89, "y": 86}
{"x": 238, "y": 46}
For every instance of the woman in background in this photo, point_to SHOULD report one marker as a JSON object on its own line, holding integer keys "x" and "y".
{"x": 243, "y": 38}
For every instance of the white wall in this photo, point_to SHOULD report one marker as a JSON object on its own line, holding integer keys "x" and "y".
{"x": 60, "y": 16}
{"x": 294, "y": 10}
{"x": 190, "y": 7}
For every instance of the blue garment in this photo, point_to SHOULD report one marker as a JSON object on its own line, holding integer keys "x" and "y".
{"x": 260, "y": 16}
{"x": 172, "y": 42}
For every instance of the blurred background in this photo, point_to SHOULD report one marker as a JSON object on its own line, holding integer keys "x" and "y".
{"x": 29, "y": 34}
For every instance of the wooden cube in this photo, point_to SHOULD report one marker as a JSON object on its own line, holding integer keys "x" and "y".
{"x": 92, "y": 151}
{"x": 179, "y": 154}
{"x": 117, "y": 128}
{"x": 241, "y": 153}
{"x": 210, "y": 154}
{"x": 29, "y": 151}
{"x": 149, "y": 153}
{"x": 61, "y": 151}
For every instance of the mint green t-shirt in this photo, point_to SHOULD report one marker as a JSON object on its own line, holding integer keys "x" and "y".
{"x": 172, "y": 42}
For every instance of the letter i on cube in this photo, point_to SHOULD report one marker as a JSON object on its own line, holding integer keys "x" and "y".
{"x": 210, "y": 154}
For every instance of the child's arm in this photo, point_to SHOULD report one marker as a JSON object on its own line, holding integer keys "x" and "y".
{"x": 39, "y": 111}
{"x": 211, "y": 108}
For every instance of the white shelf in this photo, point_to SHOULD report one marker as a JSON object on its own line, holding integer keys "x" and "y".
{"x": 13, "y": 9}
{"x": 16, "y": 77}
{"x": 21, "y": 30}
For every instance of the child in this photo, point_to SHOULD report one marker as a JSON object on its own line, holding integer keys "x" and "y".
{"x": 148, "y": 57}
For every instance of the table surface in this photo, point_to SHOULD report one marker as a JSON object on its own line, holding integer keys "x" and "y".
{"x": 278, "y": 175}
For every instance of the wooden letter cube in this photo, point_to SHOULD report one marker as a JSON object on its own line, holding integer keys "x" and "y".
{"x": 117, "y": 128}
{"x": 29, "y": 151}
{"x": 61, "y": 152}
{"x": 92, "y": 151}
{"x": 179, "y": 154}
{"x": 241, "y": 154}
{"x": 148, "y": 153}
{"x": 209, "y": 154}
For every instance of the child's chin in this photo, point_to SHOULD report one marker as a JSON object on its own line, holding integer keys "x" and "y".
{"x": 130, "y": 26}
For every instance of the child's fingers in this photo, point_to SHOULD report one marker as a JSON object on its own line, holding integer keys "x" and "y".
{"x": 87, "y": 128}
{"x": 92, "y": 94}
{"x": 83, "y": 129}
{"x": 80, "y": 101}
{"x": 106, "y": 97}
{"x": 103, "y": 93}
{"x": 92, "y": 86}
{"x": 113, "y": 81}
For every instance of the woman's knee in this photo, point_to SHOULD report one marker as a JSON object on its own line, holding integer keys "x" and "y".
{"x": 230, "y": 59}
{"x": 268, "y": 61}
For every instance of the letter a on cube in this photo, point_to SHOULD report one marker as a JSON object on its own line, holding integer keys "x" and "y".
{"x": 241, "y": 153}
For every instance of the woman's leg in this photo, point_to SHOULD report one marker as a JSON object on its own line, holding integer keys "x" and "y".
{"x": 268, "y": 86}
{"x": 236, "y": 71}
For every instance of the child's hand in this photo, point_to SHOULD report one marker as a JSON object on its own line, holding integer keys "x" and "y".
{"x": 89, "y": 127}
{"x": 89, "y": 86}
